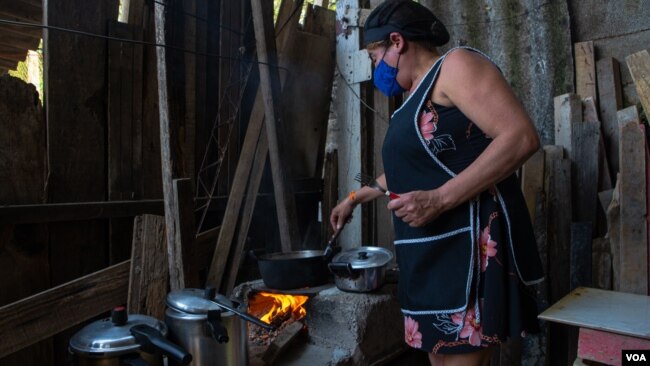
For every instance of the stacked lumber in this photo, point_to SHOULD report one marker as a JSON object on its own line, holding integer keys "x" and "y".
{"x": 587, "y": 194}
{"x": 591, "y": 186}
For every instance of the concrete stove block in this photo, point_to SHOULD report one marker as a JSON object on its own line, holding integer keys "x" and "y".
{"x": 348, "y": 328}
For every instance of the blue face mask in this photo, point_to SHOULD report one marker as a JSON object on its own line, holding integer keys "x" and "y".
{"x": 385, "y": 79}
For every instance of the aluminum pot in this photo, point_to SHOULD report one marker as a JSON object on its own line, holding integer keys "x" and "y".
{"x": 214, "y": 336}
{"x": 124, "y": 339}
{"x": 360, "y": 269}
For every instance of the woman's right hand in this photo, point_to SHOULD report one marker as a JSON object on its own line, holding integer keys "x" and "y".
{"x": 341, "y": 214}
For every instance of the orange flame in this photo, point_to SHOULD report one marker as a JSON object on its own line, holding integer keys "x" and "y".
{"x": 269, "y": 306}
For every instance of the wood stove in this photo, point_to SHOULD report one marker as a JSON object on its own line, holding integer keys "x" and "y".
{"x": 338, "y": 328}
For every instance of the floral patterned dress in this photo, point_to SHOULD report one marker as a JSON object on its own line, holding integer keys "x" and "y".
{"x": 464, "y": 277}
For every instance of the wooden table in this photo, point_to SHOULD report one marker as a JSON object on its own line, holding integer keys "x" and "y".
{"x": 609, "y": 322}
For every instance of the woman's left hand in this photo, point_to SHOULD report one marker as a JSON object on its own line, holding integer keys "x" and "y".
{"x": 418, "y": 208}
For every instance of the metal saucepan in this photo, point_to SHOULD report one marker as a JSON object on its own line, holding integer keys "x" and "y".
{"x": 360, "y": 269}
{"x": 297, "y": 269}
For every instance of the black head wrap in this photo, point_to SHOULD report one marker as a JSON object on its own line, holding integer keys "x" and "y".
{"x": 412, "y": 20}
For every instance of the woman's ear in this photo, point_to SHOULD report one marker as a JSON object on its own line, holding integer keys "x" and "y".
{"x": 397, "y": 41}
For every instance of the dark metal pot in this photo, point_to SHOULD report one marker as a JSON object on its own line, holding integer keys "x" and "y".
{"x": 123, "y": 339}
{"x": 292, "y": 270}
{"x": 297, "y": 269}
{"x": 360, "y": 269}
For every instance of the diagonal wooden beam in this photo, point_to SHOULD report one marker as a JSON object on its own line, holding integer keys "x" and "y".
{"x": 243, "y": 171}
{"x": 40, "y": 316}
{"x": 270, "y": 86}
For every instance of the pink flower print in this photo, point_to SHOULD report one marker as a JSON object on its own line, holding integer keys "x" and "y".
{"x": 471, "y": 328}
{"x": 486, "y": 244}
{"x": 411, "y": 335}
{"x": 488, "y": 247}
{"x": 427, "y": 125}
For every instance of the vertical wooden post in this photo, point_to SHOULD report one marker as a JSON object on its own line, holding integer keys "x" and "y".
{"x": 584, "y": 157}
{"x": 76, "y": 130}
{"x": 558, "y": 183}
{"x": 585, "y": 69}
{"x": 639, "y": 65}
{"x": 354, "y": 68}
{"x": 185, "y": 229}
{"x": 610, "y": 100}
{"x": 149, "y": 271}
{"x": 568, "y": 110}
{"x": 633, "y": 239}
{"x": 254, "y": 147}
{"x": 270, "y": 86}
{"x": 177, "y": 280}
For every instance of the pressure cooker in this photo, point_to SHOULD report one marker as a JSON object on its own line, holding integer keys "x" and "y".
{"x": 210, "y": 326}
{"x": 124, "y": 339}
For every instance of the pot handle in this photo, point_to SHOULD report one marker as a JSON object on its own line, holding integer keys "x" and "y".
{"x": 216, "y": 329}
{"x": 134, "y": 361}
{"x": 151, "y": 340}
{"x": 343, "y": 269}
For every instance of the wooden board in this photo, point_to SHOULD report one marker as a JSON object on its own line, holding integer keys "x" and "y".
{"x": 610, "y": 100}
{"x": 633, "y": 230}
{"x": 151, "y": 155}
{"x": 228, "y": 88}
{"x": 639, "y": 65}
{"x": 585, "y": 163}
{"x": 610, "y": 311}
{"x": 585, "y": 69}
{"x": 590, "y": 114}
{"x": 613, "y": 233}
{"x": 601, "y": 264}
{"x": 305, "y": 118}
{"x": 185, "y": 229}
{"x": 252, "y": 189}
{"x": 558, "y": 195}
{"x": 568, "y": 110}
{"x": 236, "y": 196}
{"x": 58, "y": 212}
{"x": 74, "y": 72}
{"x": 124, "y": 133}
{"x": 348, "y": 111}
{"x": 607, "y": 348}
{"x": 149, "y": 274}
{"x": 169, "y": 157}
{"x": 35, "y": 318}
{"x": 581, "y": 251}
{"x": 24, "y": 249}
{"x": 188, "y": 125}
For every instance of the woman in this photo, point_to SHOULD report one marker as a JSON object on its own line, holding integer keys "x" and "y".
{"x": 463, "y": 237}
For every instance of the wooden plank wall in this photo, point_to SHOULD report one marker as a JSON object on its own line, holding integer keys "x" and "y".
{"x": 24, "y": 248}
{"x": 76, "y": 89}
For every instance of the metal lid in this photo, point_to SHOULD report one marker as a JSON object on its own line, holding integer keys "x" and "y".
{"x": 197, "y": 301}
{"x": 112, "y": 336}
{"x": 364, "y": 257}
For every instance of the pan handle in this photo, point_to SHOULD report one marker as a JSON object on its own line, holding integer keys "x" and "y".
{"x": 244, "y": 315}
{"x": 328, "y": 253}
